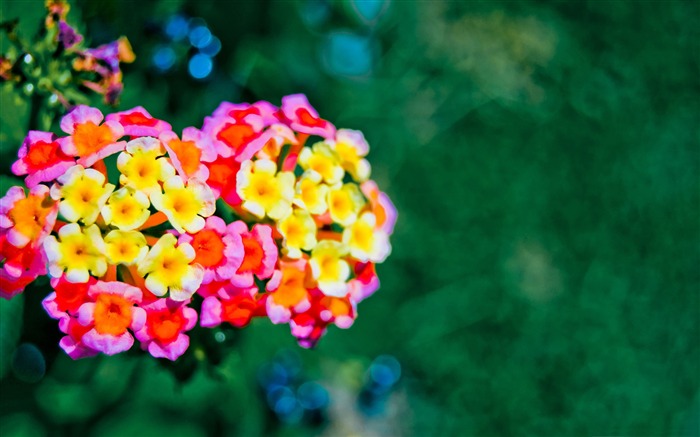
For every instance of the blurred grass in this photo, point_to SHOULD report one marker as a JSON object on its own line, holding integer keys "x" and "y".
{"x": 544, "y": 158}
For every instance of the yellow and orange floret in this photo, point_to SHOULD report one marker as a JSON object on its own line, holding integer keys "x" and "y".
{"x": 141, "y": 252}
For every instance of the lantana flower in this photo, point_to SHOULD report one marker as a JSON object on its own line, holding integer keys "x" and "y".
{"x": 81, "y": 194}
{"x": 41, "y": 159}
{"x": 344, "y": 203}
{"x": 137, "y": 122}
{"x": 237, "y": 138}
{"x": 127, "y": 209}
{"x": 324, "y": 161}
{"x": 303, "y": 117}
{"x": 67, "y": 297}
{"x": 111, "y": 315}
{"x": 311, "y": 194}
{"x": 79, "y": 253}
{"x": 125, "y": 247}
{"x": 186, "y": 206}
{"x": 260, "y": 253}
{"x": 163, "y": 334}
{"x": 142, "y": 166}
{"x": 169, "y": 268}
{"x": 299, "y": 232}
{"x": 234, "y": 305}
{"x": 329, "y": 267}
{"x": 27, "y": 219}
{"x": 217, "y": 248}
{"x": 20, "y": 266}
{"x": 89, "y": 139}
{"x": 189, "y": 154}
{"x": 366, "y": 241}
{"x": 264, "y": 191}
{"x": 288, "y": 292}
{"x": 381, "y": 206}
{"x": 351, "y": 147}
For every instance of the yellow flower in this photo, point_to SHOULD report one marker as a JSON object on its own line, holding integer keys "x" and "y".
{"x": 311, "y": 194}
{"x": 299, "y": 231}
{"x": 168, "y": 268}
{"x": 79, "y": 253}
{"x": 324, "y": 161}
{"x": 366, "y": 242}
{"x": 82, "y": 193}
{"x": 185, "y": 206}
{"x": 351, "y": 147}
{"x": 329, "y": 269}
{"x": 126, "y": 209}
{"x": 140, "y": 167}
{"x": 125, "y": 247}
{"x": 263, "y": 190}
{"x": 344, "y": 203}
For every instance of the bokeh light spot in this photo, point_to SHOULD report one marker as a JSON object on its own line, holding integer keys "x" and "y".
{"x": 348, "y": 54}
{"x": 200, "y": 66}
{"x": 176, "y": 28}
{"x": 164, "y": 58}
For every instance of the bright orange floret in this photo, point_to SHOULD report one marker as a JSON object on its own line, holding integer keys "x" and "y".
{"x": 165, "y": 325}
{"x": 209, "y": 248}
{"x": 29, "y": 215}
{"x": 291, "y": 289}
{"x": 112, "y": 314}
{"x": 253, "y": 255}
{"x": 236, "y": 135}
{"x": 188, "y": 154}
{"x": 43, "y": 153}
{"x": 336, "y": 305}
{"x": 239, "y": 310}
{"x": 90, "y": 138}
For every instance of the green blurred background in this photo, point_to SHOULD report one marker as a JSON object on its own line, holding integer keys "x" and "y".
{"x": 544, "y": 158}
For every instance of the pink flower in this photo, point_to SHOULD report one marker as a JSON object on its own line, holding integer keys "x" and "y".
{"x": 288, "y": 293}
{"x": 67, "y": 297}
{"x": 381, "y": 206}
{"x": 238, "y": 111}
{"x": 72, "y": 344}
{"x": 27, "y": 219}
{"x": 137, "y": 122}
{"x": 240, "y": 139}
{"x": 236, "y": 306}
{"x": 189, "y": 154}
{"x": 111, "y": 314}
{"x": 302, "y": 117}
{"x": 218, "y": 249}
{"x": 365, "y": 283}
{"x": 163, "y": 333}
{"x": 41, "y": 159}
{"x": 260, "y": 253}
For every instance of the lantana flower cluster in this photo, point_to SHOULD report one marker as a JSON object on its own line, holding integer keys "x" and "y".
{"x": 139, "y": 253}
